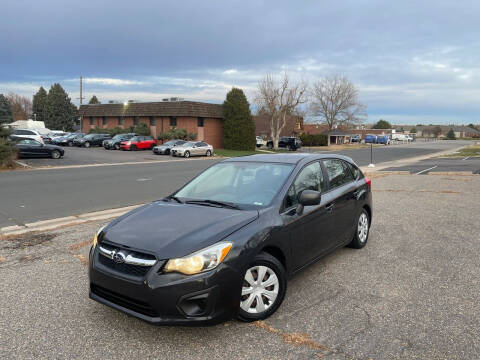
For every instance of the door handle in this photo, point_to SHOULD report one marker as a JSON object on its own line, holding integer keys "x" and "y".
{"x": 329, "y": 207}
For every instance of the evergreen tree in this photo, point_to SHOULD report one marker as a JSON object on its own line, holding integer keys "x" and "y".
{"x": 6, "y": 115}
{"x": 238, "y": 127}
{"x": 40, "y": 104}
{"x": 93, "y": 100}
{"x": 451, "y": 135}
{"x": 60, "y": 112}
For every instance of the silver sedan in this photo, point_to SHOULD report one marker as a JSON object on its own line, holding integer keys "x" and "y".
{"x": 192, "y": 148}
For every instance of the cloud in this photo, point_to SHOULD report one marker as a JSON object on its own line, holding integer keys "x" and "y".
{"x": 108, "y": 81}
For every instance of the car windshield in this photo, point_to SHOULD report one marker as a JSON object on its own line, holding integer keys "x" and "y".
{"x": 169, "y": 143}
{"x": 120, "y": 137}
{"x": 250, "y": 184}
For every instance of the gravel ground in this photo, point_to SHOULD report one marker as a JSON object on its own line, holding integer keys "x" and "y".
{"x": 412, "y": 293}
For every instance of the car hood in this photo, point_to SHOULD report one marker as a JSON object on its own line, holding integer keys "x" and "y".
{"x": 173, "y": 230}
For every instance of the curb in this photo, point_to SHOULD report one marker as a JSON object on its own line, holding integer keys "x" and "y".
{"x": 45, "y": 225}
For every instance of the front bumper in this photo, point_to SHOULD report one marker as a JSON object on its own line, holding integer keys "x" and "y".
{"x": 167, "y": 298}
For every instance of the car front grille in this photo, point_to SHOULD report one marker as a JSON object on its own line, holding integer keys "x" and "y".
{"x": 125, "y": 301}
{"x": 125, "y": 268}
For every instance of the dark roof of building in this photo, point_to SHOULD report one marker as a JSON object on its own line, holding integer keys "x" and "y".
{"x": 336, "y": 132}
{"x": 162, "y": 108}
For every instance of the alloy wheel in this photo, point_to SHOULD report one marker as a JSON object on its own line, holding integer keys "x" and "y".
{"x": 362, "y": 228}
{"x": 260, "y": 289}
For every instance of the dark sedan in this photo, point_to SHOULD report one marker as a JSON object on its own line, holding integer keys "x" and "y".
{"x": 93, "y": 140}
{"x": 226, "y": 243}
{"x": 164, "y": 149}
{"x": 69, "y": 139}
{"x": 115, "y": 142}
{"x": 28, "y": 148}
{"x": 289, "y": 143}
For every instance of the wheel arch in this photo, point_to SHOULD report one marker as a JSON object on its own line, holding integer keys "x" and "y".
{"x": 369, "y": 212}
{"x": 277, "y": 253}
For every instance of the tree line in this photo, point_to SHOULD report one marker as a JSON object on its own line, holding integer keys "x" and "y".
{"x": 54, "y": 108}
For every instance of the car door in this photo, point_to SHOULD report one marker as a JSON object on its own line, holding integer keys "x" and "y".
{"x": 343, "y": 191}
{"x": 310, "y": 231}
{"x": 24, "y": 148}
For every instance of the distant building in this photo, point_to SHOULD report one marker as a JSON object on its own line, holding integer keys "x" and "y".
{"x": 459, "y": 131}
{"x": 293, "y": 126}
{"x": 204, "y": 119}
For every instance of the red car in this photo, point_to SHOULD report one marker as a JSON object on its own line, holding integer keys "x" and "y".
{"x": 138, "y": 143}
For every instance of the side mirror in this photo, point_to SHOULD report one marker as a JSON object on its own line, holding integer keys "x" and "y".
{"x": 308, "y": 198}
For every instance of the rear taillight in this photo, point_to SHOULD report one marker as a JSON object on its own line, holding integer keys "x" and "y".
{"x": 368, "y": 181}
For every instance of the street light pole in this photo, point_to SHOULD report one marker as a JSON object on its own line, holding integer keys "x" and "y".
{"x": 371, "y": 156}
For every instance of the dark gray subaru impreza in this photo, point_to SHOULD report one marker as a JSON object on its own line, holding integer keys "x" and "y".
{"x": 224, "y": 244}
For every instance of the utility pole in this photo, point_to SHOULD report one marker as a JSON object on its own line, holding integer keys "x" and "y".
{"x": 81, "y": 98}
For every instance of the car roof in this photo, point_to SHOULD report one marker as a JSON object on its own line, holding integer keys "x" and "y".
{"x": 287, "y": 158}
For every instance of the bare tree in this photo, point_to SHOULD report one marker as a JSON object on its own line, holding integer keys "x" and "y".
{"x": 278, "y": 100}
{"x": 335, "y": 100}
{"x": 21, "y": 106}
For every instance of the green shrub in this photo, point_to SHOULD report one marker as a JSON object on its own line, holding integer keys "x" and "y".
{"x": 314, "y": 140}
{"x": 8, "y": 154}
{"x": 176, "y": 133}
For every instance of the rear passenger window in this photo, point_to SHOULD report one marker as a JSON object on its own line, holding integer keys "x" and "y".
{"x": 310, "y": 178}
{"x": 355, "y": 171}
{"x": 338, "y": 172}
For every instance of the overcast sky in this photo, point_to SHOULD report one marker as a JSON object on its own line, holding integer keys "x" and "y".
{"x": 413, "y": 61}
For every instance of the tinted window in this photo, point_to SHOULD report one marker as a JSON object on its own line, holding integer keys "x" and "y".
{"x": 173, "y": 121}
{"x": 181, "y": 142}
{"x": 200, "y": 122}
{"x": 338, "y": 172}
{"x": 29, "y": 142}
{"x": 355, "y": 171}
{"x": 310, "y": 178}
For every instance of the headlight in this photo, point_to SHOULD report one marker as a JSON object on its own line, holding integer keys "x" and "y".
{"x": 95, "y": 238}
{"x": 200, "y": 261}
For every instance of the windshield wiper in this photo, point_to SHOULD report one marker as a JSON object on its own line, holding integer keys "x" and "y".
{"x": 171, "y": 197}
{"x": 213, "y": 202}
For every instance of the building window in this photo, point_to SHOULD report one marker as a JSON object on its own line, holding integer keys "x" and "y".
{"x": 200, "y": 122}
{"x": 152, "y": 121}
{"x": 91, "y": 120}
{"x": 173, "y": 121}
{"x": 120, "y": 120}
{"x": 104, "y": 120}
{"x": 135, "y": 120}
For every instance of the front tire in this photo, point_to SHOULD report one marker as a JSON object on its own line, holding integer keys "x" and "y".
{"x": 361, "y": 231}
{"x": 70, "y": 144}
{"x": 263, "y": 289}
{"x": 208, "y": 153}
{"x": 55, "y": 154}
{"x": 133, "y": 148}
{"x": 117, "y": 146}
{"x": 186, "y": 154}
{"x": 87, "y": 144}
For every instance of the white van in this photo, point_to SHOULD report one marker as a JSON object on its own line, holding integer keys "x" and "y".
{"x": 27, "y": 134}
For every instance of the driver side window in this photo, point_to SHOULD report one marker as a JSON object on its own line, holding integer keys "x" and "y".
{"x": 310, "y": 178}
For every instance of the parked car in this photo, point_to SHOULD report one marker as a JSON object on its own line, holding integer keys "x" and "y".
{"x": 78, "y": 139}
{"x": 70, "y": 139}
{"x": 225, "y": 244}
{"x": 115, "y": 142}
{"x": 93, "y": 140}
{"x": 383, "y": 139}
{"x": 165, "y": 148}
{"x": 370, "y": 139}
{"x": 33, "y": 148}
{"x": 409, "y": 138}
{"x": 290, "y": 143}
{"x": 260, "y": 141}
{"x": 356, "y": 138}
{"x": 399, "y": 137}
{"x": 192, "y": 148}
{"x": 27, "y": 134}
{"x": 58, "y": 139}
{"x": 138, "y": 143}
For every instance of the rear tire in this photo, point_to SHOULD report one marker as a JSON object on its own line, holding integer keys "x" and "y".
{"x": 70, "y": 144}
{"x": 362, "y": 230}
{"x": 55, "y": 154}
{"x": 260, "y": 298}
{"x": 270, "y": 145}
{"x": 134, "y": 148}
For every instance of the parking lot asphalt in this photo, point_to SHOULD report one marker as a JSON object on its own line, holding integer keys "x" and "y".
{"x": 98, "y": 155}
{"x": 411, "y": 293}
{"x": 424, "y": 167}
{"x": 35, "y": 195}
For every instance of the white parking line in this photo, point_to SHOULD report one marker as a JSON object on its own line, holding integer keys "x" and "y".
{"x": 420, "y": 172}
{"x": 468, "y": 157}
